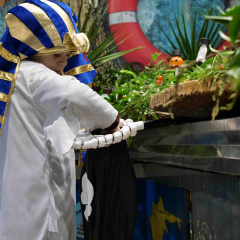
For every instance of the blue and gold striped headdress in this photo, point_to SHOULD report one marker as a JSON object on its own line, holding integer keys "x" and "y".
{"x": 40, "y": 27}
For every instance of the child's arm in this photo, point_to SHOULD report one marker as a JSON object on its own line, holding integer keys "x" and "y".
{"x": 68, "y": 105}
{"x": 53, "y": 92}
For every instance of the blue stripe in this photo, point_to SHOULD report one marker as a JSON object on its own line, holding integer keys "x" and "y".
{"x": 7, "y": 66}
{"x": 75, "y": 17}
{"x": 68, "y": 10}
{"x": 7, "y": 43}
{"x": 78, "y": 60}
{"x": 23, "y": 48}
{"x": 5, "y": 86}
{"x": 32, "y": 24}
{"x": 75, "y": 61}
{"x": 86, "y": 77}
{"x": 2, "y": 107}
{"x": 53, "y": 15}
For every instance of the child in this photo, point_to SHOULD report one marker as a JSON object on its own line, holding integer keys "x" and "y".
{"x": 40, "y": 116}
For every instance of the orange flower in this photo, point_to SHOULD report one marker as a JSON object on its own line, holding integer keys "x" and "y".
{"x": 186, "y": 80}
{"x": 159, "y": 81}
{"x": 221, "y": 67}
{"x": 160, "y": 78}
{"x": 94, "y": 84}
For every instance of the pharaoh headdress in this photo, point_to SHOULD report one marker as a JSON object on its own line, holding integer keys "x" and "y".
{"x": 40, "y": 27}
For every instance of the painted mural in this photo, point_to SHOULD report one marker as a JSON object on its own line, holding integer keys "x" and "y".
{"x": 162, "y": 213}
{"x": 4, "y": 7}
{"x": 142, "y": 20}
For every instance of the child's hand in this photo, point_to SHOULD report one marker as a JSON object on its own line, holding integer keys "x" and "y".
{"x": 105, "y": 132}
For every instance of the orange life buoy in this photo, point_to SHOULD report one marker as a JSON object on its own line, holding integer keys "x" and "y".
{"x": 122, "y": 15}
{"x": 2, "y": 2}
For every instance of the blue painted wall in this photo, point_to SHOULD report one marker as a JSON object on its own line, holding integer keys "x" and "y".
{"x": 3, "y": 11}
{"x": 161, "y": 209}
{"x": 150, "y": 13}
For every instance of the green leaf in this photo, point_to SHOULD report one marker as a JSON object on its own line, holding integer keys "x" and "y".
{"x": 217, "y": 39}
{"x": 224, "y": 36}
{"x": 128, "y": 72}
{"x": 101, "y": 92}
{"x": 112, "y": 49}
{"x": 164, "y": 49}
{"x": 120, "y": 96}
{"x": 193, "y": 35}
{"x": 206, "y": 63}
{"x": 202, "y": 30}
{"x": 213, "y": 34}
{"x": 232, "y": 11}
{"x": 220, "y": 10}
{"x": 83, "y": 29}
{"x": 188, "y": 46}
{"x": 79, "y": 16}
{"x": 100, "y": 61}
{"x": 174, "y": 47}
{"x": 212, "y": 49}
{"x": 94, "y": 35}
{"x": 180, "y": 46}
{"x": 102, "y": 47}
{"x": 155, "y": 116}
{"x": 220, "y": 19}
{"x": 236, "y": 59}
{"x": 227, "y": 53}
{"x": 95, "y": 20}
{"x": 234, "y": 27}
{"x": 153, "y": 56}
{"x": 183, "y": 40}
{"x": 211, "y": 30}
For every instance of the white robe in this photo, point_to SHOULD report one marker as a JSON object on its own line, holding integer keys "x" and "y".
{"x": 37, "y": 164}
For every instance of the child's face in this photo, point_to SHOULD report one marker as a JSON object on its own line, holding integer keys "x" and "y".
{"x": 55, "y": 62}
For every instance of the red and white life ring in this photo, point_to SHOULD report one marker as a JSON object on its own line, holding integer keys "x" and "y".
{"x": 123, "y": 15}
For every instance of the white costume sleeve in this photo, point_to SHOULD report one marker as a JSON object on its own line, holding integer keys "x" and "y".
{"x": 69, "y": 104}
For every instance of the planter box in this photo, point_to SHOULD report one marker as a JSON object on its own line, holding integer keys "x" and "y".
{"x": 194, "y": 99}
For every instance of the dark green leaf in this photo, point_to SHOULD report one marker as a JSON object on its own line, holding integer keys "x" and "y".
{"x": 101, "y": 48}
{"x": 95, "y": 20}
{"x": 79, "y": 15}
{"x": 164, "y": 49}
{"x": 234, "y": 27}
{"x": 94, "y": 35}
{"x": 236, "y": 59}
{"x": 178, "y": 41}
{"x": 187, "y": 46}
{"x": 194, "y": 35}
{"x": 217, "y": 39}
{"x": 174, "y": 47}
{"x": 83, "y": 29}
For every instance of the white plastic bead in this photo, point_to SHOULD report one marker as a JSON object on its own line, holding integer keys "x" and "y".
{"x": 93, "y": 143}
{"x": 109, "y": 139}
{"x": 117, "y": 137}
{"x": 102, "y": 141}
{"x": 77, "y": 144}
{"x": 132, "y": 134}
{"x": 132, "y": 127}
{"x": 129, "y": 121}
{"x": 139, "y": 125}
{"x": 126, "y": 132}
